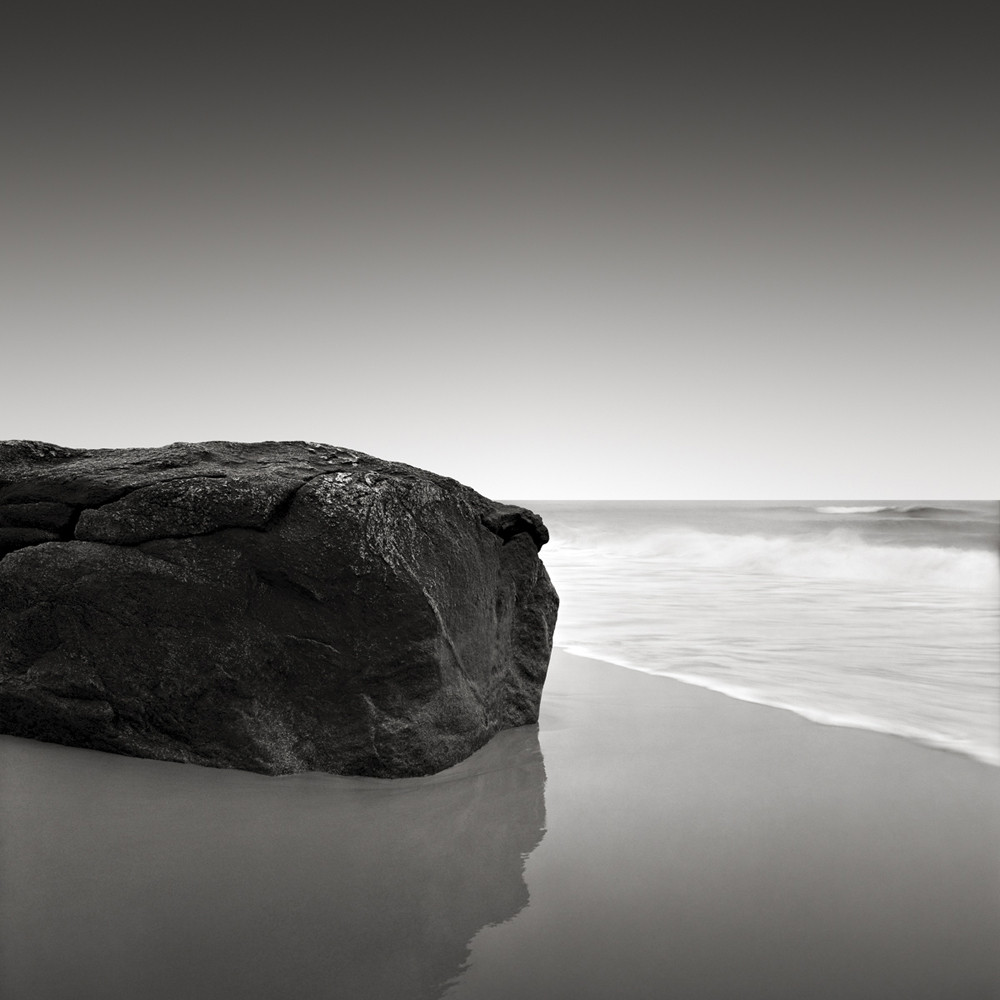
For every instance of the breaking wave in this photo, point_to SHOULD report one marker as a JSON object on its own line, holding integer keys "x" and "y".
{"x": 836, "y": 555}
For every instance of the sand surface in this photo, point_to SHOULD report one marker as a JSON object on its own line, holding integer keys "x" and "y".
{"x": 648, "y": 839}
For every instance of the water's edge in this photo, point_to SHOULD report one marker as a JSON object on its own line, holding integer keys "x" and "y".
{"x": 981, "y": 755}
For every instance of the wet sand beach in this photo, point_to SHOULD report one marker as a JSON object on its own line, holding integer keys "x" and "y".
{"x": 648, "y": 839}
{"x": 699, "y": 846}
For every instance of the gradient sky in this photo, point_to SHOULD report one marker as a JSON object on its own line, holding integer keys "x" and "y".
{"x": 722, "y": 251}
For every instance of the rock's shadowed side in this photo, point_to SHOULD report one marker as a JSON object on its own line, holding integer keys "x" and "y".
{"x": 277, "y": 607}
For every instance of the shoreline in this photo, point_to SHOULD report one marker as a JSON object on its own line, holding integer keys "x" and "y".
{"x": 990, "y": 756}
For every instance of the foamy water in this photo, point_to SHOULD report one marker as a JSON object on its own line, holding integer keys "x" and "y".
{"x": 872, "y": 615}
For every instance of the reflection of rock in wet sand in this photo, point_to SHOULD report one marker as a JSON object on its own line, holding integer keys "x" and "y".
{"x": 127, "y": 878}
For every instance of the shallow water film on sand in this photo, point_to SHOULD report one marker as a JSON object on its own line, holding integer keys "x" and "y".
{"x": 127, "y": 878}
{"x": 876, "y": 615}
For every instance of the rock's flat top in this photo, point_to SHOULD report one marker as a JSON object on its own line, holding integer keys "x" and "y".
{"x": 278, "y": 606}
{"x": 202, "y": 487}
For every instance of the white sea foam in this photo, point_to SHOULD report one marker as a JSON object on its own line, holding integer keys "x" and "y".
{"x": 988, "y": 754}
{"x": 836, "y": 555}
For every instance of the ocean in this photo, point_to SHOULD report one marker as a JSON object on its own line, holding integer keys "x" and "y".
{"x": 876, "y": 615}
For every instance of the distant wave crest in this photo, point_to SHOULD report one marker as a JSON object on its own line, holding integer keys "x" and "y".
{"x": 852, "y": 510}
{"x": 911, "y": 510}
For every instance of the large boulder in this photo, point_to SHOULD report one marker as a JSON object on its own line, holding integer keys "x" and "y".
{"x": 277, "y": 607}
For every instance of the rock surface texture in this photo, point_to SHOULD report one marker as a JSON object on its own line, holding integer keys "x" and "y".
{"x": 276, "y": 607}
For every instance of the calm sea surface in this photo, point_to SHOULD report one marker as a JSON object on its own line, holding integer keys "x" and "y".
{"x": 876, "y": 615}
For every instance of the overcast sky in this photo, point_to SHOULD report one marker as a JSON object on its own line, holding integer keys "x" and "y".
{"x": 548, "y": 251}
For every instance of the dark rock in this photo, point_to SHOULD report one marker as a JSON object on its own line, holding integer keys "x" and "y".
{"x": 507, "y": 521}
{"x": 45, "y": 516}
{"x": 276, "y": 607}
{"x": 17, "y": 538}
